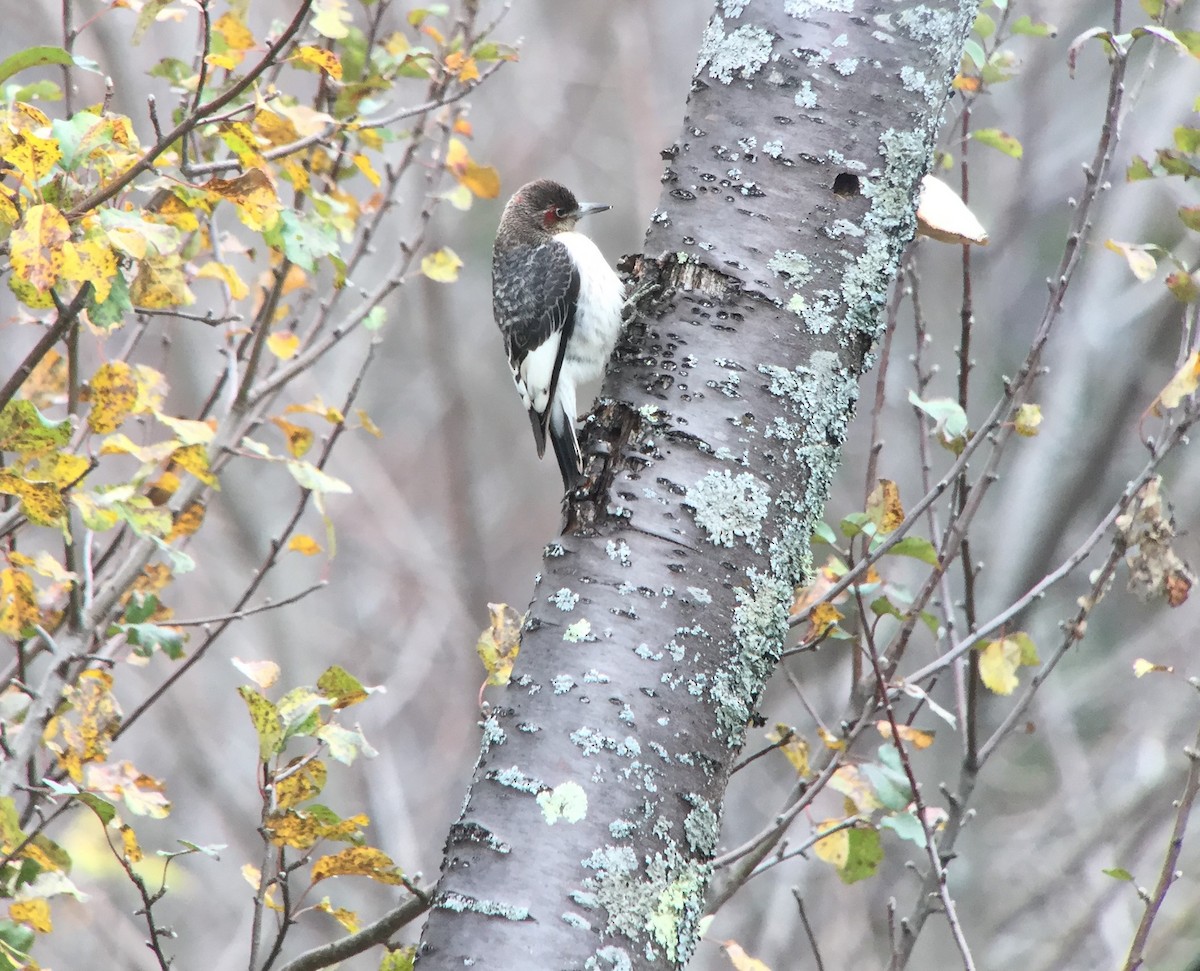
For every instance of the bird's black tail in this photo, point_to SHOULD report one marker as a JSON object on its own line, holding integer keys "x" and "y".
{"x": 566, "y": 447}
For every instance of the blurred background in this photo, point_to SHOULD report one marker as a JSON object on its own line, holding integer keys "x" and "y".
{"x": 451, "y": 510}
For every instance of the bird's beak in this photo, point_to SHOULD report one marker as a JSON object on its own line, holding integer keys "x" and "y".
{"x": 587, "y": 208}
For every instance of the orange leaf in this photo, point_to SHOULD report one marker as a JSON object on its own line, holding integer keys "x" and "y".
{"x": 483, "y": 180}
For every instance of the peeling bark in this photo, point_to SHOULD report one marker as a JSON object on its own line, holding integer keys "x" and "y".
{"x": 787, "y": 201}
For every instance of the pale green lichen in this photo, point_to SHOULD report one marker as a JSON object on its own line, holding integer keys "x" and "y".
{"x": 659, "y": 908}
{"x": 514, "y": 778}
{"x": 566, "y": 802}
{"x": 759, "y": 626}
{"x": 739, "y": 54}
{"x": 806, "y": 97}
{"x": 462, "y": 904}
{"x": 613, "y": 958}
{"x": 578, "y": 632}
{"x": 726, "y": 507}
{"x": 803, "y": 9}
{"x": 701, "y": 826}
{"x": 564, "y": 599}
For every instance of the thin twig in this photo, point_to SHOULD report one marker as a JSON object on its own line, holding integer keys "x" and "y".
{"x": 1169, "y": 874}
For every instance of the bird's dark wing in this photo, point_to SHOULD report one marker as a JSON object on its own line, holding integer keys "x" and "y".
{"x": 534, "y": 289}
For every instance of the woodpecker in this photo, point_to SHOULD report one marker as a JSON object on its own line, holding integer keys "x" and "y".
{"x": 558, "y": 305}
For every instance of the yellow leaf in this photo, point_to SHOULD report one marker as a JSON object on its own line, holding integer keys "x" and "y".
{"x": 304, "y": 544}
{"x": 740, "y": 960}
{"x": 1029, "y": 417}
{"x": 252, "y": 875}
{"x": 364, "y": 166}
{"x": 35, "y": 246}
{"x": 367, "y": 425}
{"x": 254, "y": 195}
{"x": 852, "y": 784}
{"x": 83, "y": 733}
{"x": 275, "y": 128}
{"x": 462, "y": 66}
{"x": 332, "y": 19}
{"x": 1142, "y": 667}
{"x": 90, "y": 261}
{"x": 299, "y": 438}
{"x": 830, "y": 740}
{"x": 1181, "y": 386}
{"x": 267, "y": 722}
{"x": 47, "y": 382}
{"x": 347, "y": 918}
{"x": 42, "y": 502}
{"x": 129, "y": 844}
{"x": 442, "y": 266}
{"x": 113, "y": 394}
{"x": 226, "y": 62}
{"x": 883, "y": 507}
{"x": 794, "y": 748}
{"x": 228, "y": 275}
{"x": 194, "y": 459}
{"x": 483, "y": 180}
{"x": 358, "y": 861}
{"x": 916, "y": 737}
{"x": 1138, "y": 256}
{"x": 161, "y": 283}
{"x": 998, "y": 663}
{"x": 32, "y": 156}
{"x": 18, "y": 602}
{"x": 34, "y": 913}
{"x": 283, "y": 344}
{"x": 834, "y": 849}
{"x": 305, "y": 781}
{"x": 319, "y": 58}
{"x": 187, "y": 521}
{"x": 500, "y": 643}
{"x": 823, "y": 618}
{"x": 235, "y": 33}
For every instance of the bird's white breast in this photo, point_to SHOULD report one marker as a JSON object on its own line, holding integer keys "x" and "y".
{"x": 597, "y": 314}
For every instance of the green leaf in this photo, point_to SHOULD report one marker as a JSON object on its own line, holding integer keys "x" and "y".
{"x": 33, "y": 57}
{"x": 1187, "y": 139}
{"x": 823, "y": 533}
{"x": 951, "y": 420}
{"x": 906, "y": 826}
{"x": 341, "y": 687}
{"x": 1190, "y": 217}
{"x": 101, "y": 807}
{"x": 1033, "y": 28}
{"x": 111, "y": 313}
{"x": 35, "y": 91}
{"x": 345, "y": 744}
{"x": 29, "y": 433}
{"x": 855, "y": 523}
{"x": 303, "y": 237}
{"x": 918, "y": 547}
{"x": 974, "y": 50}
{"x": 15, "y": 938}
{"x": 999, "y": 140}
{"x": 1138, "y": 169}
{"x": 1118, "y": 873}
{"x": 985, "y": 26}
{"x": 865, "y": 855}
{"x": 148, "y": 638}
{"x": 312, "y": 478}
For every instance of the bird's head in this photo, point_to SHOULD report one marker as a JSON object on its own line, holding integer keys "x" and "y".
{"x": 545, "y": 207}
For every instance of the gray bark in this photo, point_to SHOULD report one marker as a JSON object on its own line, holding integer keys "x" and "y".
{"x": 585, "y": 838}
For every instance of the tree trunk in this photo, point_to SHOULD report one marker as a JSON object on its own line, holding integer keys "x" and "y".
{"x": 787, "y": 201}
